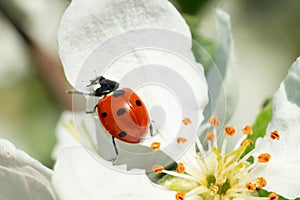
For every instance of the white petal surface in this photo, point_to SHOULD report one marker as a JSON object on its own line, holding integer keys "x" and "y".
{"x": 78, "y": 176}
{"x": 73, "y": 130}
{"x": 22, "y": 177}
{"x": 88, "y": 23}
{"x": 226, "y": 61}
{"x": 282, "y": 172}
{"x": 222, "y": 78}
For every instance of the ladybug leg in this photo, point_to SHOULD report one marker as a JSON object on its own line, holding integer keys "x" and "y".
{"x": 92, "y": 111}
{"x": 77, "y": 92}
{"x": 152, "y": 127}
{"x": 116, "y": 150}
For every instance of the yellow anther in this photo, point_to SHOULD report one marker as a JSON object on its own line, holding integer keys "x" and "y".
{"x": 157, "y": 169}
{"x": 273, "y": 196}
{"x": 180, "y": 168}
{"x": 214, "y": 121}
{"x": 229, "y": 130}
{"x": 264, "y": 158}
{"x": 261, "y": 182}
{"x": 210, "y": 136}
{"x": 214, "y": 189}
{"x": 251, "y": 186}
{"x": 186, "y": 121}
{"x": 180, "y": 196}
{"x": 247, "y": 130}
{"x": 181, "y": 140}
{"x": 275, "y": 135}
{"x": 155, "y": 146}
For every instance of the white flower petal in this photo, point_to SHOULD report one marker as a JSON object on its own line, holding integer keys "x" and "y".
{"x": 282, "y": 172}
{"x": 88, "y": 23}
{"x": 224, "y": 103}
{"x": 22, "y": 177}
{"x": 77, "y": 175}
{"x": 73, "y": 130}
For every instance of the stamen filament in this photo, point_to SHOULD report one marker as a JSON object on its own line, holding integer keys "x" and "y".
{"x": 197, "y": 191}
{"x": 70, "y": 127}
{"x": 179, "y": 175}
{"x": 224, "y": 146}
{"x": 237, "y": 154}
{"x": 88, "y": 136}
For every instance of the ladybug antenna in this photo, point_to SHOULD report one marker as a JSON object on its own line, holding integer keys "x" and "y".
{"x": 96, "y": 81}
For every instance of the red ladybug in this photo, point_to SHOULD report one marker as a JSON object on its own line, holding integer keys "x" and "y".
{"x": 121, "y": 111}
{"x": 124, "y": 115}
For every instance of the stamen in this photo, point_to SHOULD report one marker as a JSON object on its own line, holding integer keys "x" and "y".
{"x": 275, "y": 135}
{"x": 234, "y": 169}
{"x": 88, "y": 136}
{"x": 210, "y": 136}
{"x": 200, "y": 147}
{"x": 181, "y": 140}
{"x": 70, "y": 127}
{"x": 230, "y": 130}
{"x": 247, "y": 130}
{"x": 186, "y": 121}
{"x": 198, "y": 190}
{"x": 214, "y": 189}
{"x": 237, "y": 153}
{"x": 224, "y": 146}
{"x": 180, "y": 168}
{"x": 261, "y": 182}
{"x": 157, "y": 169}
{"x": 214, "y": 121}
{"x": 180, "y": 196}
{"x": 155, "y": 146}
{"x": 247, "y": 142}
{"x": 250, "y": 186}
{"x": 180, "y": 175}
{"x": 273, "y": 196}
{"x": 264, "y": 158}
{"x": 219, "y": 159}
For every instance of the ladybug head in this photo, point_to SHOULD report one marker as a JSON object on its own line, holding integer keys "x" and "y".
{"x": 95, "y": 81}
{"x": 106, "y": 86}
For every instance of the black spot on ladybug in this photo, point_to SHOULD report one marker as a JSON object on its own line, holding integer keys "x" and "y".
{"x": 122, "y": 134}
{"x": 138, "y": 103}
{"x": 104, "y": 114}
{"x": 121, "y": 111}
{"x": 118, "y": 93}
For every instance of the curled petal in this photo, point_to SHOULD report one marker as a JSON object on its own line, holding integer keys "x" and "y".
{"x": 21, "y": 176}
{"x": 225, "y": 68}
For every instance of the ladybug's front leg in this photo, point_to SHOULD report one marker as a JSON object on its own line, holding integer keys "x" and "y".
{"x": 92, "y": 111}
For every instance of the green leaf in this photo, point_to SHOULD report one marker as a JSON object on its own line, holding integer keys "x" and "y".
{"x": 264, "y": 193}
{"x": 260, "y": 125}
{"x": 189, "y": 6}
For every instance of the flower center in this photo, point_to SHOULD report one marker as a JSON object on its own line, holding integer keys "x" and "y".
{"x": 215, "y": 174}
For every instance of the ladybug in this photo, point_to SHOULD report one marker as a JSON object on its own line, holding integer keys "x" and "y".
{"x": 121, "y": 111}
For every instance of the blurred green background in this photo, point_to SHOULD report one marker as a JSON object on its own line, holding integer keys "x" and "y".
{"x": 32, "y": 84}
